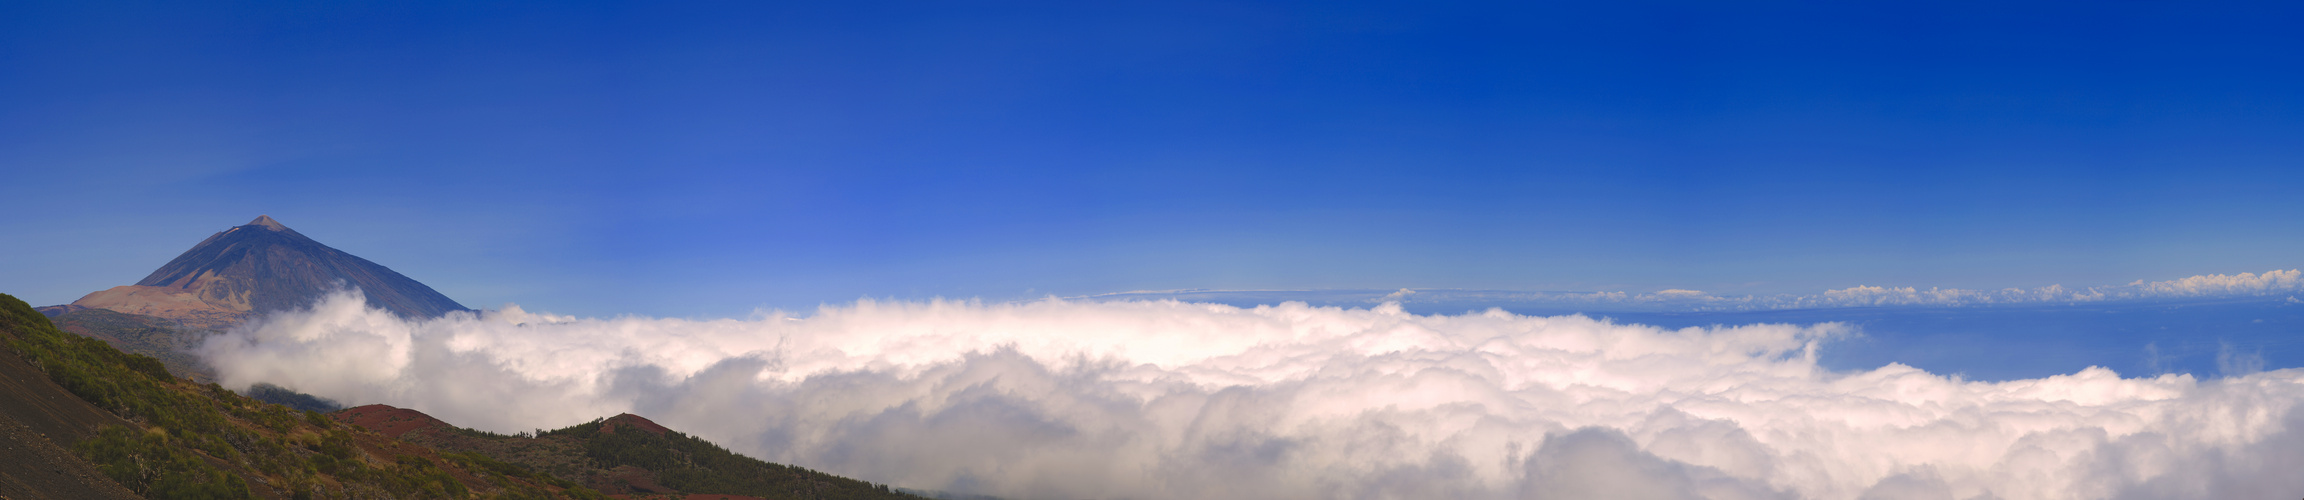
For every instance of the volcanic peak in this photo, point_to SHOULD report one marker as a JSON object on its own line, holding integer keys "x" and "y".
{"x": 264, "y": 266}
{"x": 268, "y": 223}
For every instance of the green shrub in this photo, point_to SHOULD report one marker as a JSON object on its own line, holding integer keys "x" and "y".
{"x": 319, "y": 420}
{"x": 148, "y": 464}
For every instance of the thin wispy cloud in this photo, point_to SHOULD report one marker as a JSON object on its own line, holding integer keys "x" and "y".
{"x": 1169, "y": 399}
{"x": 2272, "y": 283}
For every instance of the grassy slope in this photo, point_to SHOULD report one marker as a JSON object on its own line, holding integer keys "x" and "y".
{"x": 688, "y": 464}
{"x": 627, "y": 455}
{"x": 192, "y": 440}
{"x": 188, "y": 440}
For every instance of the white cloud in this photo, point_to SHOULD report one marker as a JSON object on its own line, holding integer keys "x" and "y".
{"x": 2270, "y": 283}
{"x": 2233, "y": 362}
{"x": 2212, "y": 285}
{"x": 2243, "y": 284}
{"x": 1166, "y": 399}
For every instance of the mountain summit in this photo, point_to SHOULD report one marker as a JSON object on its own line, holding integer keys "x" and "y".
{"x": 258, "y": 267}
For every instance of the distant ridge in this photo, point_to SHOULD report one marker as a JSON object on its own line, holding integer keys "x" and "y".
{"x": 259, "y": 267}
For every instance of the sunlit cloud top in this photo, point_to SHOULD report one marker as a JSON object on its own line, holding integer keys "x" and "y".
{"x": 1166, "y": 399}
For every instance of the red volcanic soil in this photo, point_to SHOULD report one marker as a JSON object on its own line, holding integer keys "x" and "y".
{"x": 638, "y": 479}
{"x": 713, "y": 496}
{"x": 609, "y": 426}
{"x": 390, "y": 421}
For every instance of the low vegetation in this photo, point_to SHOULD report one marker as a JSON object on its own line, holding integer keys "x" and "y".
{"x": 692, "y": 465}
{"x": 293, "y": 400}
{"x": 200, "y": 441}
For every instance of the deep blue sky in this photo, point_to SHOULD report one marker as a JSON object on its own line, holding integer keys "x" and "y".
{"x": 700, "y": 159}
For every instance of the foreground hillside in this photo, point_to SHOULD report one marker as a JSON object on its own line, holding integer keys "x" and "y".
{"x": 622, "y": 455}
{"x": 133, "y": 429}
{"x": 39, "y": 421}
{"x": 113, "y": 424}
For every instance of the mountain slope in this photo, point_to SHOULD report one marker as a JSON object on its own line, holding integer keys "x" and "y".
{"x": 157, "y": 337}
{"x": 108, "y": 424}
{"x": 36, "y": 415}
{"x": 134, "y": 429}
{"x": 114, "y": 424}
{"x": 624, "y": 455}
{"x": 226, "y": 279}
{"x": 259, "y": 267}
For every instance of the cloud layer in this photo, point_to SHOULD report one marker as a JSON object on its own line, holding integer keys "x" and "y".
{"x": 1168, "y": 399}
{"x": 2274, "y": 283}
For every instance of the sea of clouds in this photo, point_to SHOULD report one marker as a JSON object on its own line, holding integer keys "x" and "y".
{"x": 1167, "y": 399}
{"x": 2274, "y": 283}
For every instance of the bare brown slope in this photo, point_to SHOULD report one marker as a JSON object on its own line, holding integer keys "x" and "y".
{"x": 38, "y": 468}
{"x": 259, "y": 267}
{"x": 390, "y": 421}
